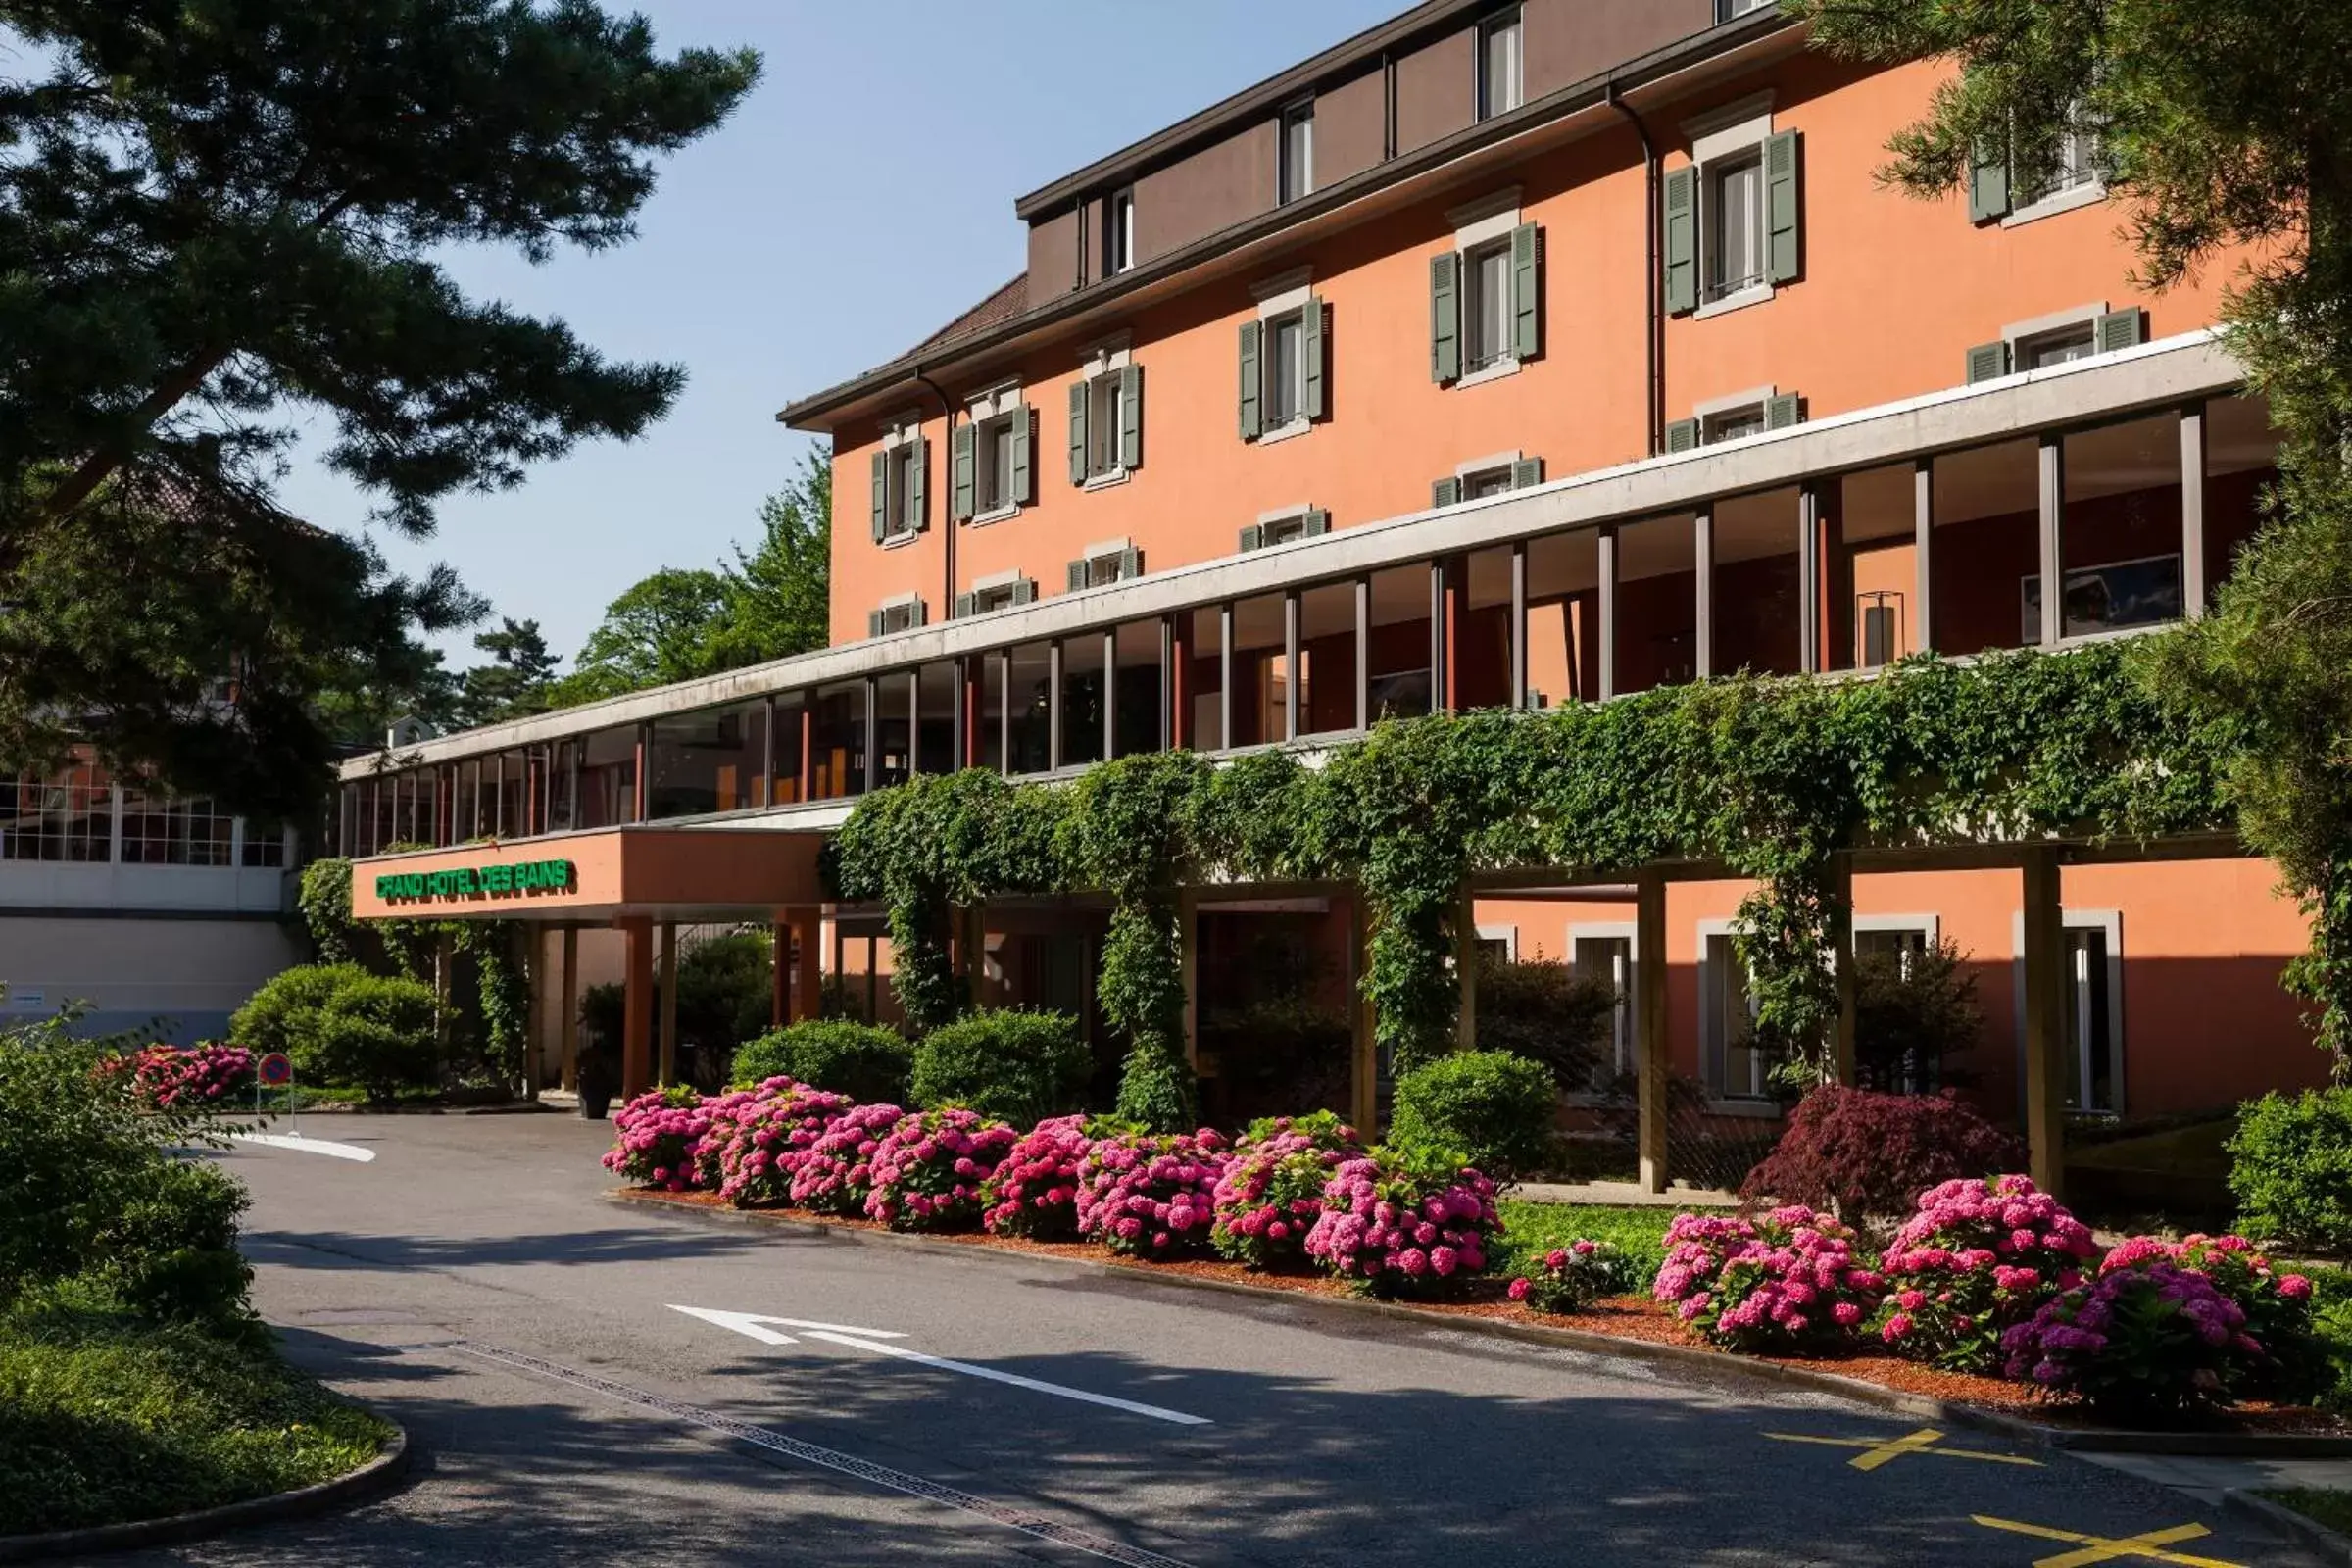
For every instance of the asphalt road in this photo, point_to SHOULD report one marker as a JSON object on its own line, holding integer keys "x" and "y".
{"x": 472, "y": 1281}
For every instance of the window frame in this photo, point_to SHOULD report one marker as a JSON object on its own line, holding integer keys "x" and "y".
{"x": 2109, "y": 923}
{"x": 1510, "y": 20}
{"x": 1284, "y": 525}
{"x": 1484, "y": 227}
{"x": 2087, "y": 186}
{"x": 1505, "y": 351}
{"x": 1729, "y": 11}
{"x": 1733, "y": 135}
{"x": 1714, "y": 1045}
{"x": 902, "y": 447}
{"x": 900, "y": 612}
{"x": 1295, "y": 175}
{"x": 1118, "y": 232}
{"x": 1112, "y": 550}
{"x": 1625, "y": 1024}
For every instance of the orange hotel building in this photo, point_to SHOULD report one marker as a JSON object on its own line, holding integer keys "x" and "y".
{"x": 1504, "y": 355}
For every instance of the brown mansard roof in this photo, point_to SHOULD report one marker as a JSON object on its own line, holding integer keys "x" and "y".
{"x": 1004, "y": 305}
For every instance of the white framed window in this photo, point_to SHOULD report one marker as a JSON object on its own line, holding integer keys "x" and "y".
{"x": 1733, "y": 219}
{"x": 1285, "y": 368}
{"x": 1604, "y": 952}
{"x": 1498, "y": 944}
{"x": 1106, "y": 409}
{"x": 1485, "y": 306}
{"x": 2076, "y": 177}
{"x": 1735, "y": 417}
{"x": 903, "y": 613}
{"x": 992, "y": 463}
{"x": 1734, "y": 423}
{"x": 1732, "y": 10}
{"x": 1485, "y": 294}
{"x": 1294, "y": 172}
{"x": 1284, "y": 524}
{"x": 1501, "y": 63}
{"x": 1101, "y": 565}
{"x": 1283, "y": 360}
{"x": 899, "y": 473}
{"x": 1118, "y": 233}
{"x": 1479, "y": 483}
{"x": 2093, "y": 1044}
{"x": 1498, "y": 473}
{"x": 1003, "y": 591}
{"x": 992, "y": 469}
{"x": 1737, "y": 1067}
{"x": 1106, "y": 428}
{"x": 1901, "y": 940}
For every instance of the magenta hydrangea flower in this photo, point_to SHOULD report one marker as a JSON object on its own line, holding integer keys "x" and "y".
{"x": 1151, "y": 1195}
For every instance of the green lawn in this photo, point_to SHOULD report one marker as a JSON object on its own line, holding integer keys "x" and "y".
{"x": 2328, "y": 1506}
{"x": 105, "y": 1419}
{"x": 1529, "y": 1230}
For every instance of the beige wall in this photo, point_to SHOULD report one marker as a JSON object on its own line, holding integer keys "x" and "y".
{"x": 195, "y": 972}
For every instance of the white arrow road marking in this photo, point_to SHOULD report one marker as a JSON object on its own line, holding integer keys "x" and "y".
{"x": 1154, "y": 1412}
{"x": 752, "y": 1325}
{"x": 308, "y": 1145}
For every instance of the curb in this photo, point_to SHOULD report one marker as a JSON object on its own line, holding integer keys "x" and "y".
{"x": 370, "y": 1481}
{"x": 2018, "y": 1429}
{"x": 2331, "y": 1547}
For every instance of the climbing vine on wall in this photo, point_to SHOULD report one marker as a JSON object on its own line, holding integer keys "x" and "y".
{"x": 1767, "y": 779}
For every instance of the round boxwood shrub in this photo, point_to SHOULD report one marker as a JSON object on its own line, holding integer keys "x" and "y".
{"x": 1487, "y": 1109}
{"x": 379, "y": 1033}
{"x": 282, "y": 1015}
{"x": 2290, "y": 1168}
{"x": 1011, "y": 1064}
{"x": 865, "y": 1061}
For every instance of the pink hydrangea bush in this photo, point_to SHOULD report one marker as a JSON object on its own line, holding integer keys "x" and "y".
{"x": 1979, "y": 1257}
{"x": 1785, "y": 1282}
{"x": 724, "y": 1112}
{"x": 1272, "y": 1190}
{"x": 835, "y": 1172}
{"x": 1570, "y": 1278}
{"x": 769, "y": 1137}
{"x": 2142, "y": 1341}
{"x": 2292, "y": 1362}
{"x": 1034, "y": 1192}
{"x": 1151, "y": 1195}
{"x": 656, "y": 1138}
{"x": 927, "y": 1171}
{"x": 1400, "y": 1227}
{"x": 168, "y": 1078}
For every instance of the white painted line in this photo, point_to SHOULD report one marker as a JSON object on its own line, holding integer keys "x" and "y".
{"x": 774, "y": 1442}
{"x": 308, "y": 1145}
{"x": 752, "y": 1325}
{"x": 1154, "y": 1412}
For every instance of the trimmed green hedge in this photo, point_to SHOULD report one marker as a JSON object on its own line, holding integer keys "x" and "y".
{"x": 1490, "y": 1109}
{"x": 865, "y": 1062}
{"x": 1011, "y": 1064}
{"x": 2291, "y": 1168}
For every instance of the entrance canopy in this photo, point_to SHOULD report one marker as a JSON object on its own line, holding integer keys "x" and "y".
{"x": 662, "y": 873}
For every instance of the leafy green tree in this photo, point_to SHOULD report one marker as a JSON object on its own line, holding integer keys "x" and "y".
{"x": 2220, "y": 124}
{"x": 659, "y": 631}
{"x": 220, "y": 222}
{"x": 779, "y": 593}
{"x": 519, "y": 679}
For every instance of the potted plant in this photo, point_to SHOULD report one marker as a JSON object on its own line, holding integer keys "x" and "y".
{"x": 600, "y": 1079}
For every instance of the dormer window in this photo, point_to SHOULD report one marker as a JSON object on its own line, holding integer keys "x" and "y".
{"x": 1501, "y": 64}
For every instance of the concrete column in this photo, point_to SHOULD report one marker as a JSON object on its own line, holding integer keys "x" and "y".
{"x": 1649, "y": 1028}
{"x": 1608, "y": 610}
{"x": 2052, "y": 488}
{"x": 1188, "y": 949}
{"x": 808, "y": 968}
{"x": 2195, "y": 569}
{"x": 1702, "y": 555}
{"x": 1465, "y": 970}
{"x": 637, "y": 1001}
{"x": 2045, "y": 1020}
{"x": 568, "y": 1065}
{"x": 1842, "y": 945}
{"x": 780, "y": 975}
{"x": 1923, "y": 535}
{"x": 1364, "y": 1077}
{"x": 670, "y": 1004}
{"x": 529, "y": 942}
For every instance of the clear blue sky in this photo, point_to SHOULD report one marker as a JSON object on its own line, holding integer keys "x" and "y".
{"x": 859, "y": 199}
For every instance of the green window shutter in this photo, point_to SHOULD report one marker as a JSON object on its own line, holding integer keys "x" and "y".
{"x": 1445, "y": 493}
{"x": 1131, "y": 417}
{"x": 1682, "y": 436}
{"x": 965, "y": 603}
{"x": 1527, "y": 294}
{"x": 1252, "y": 380}
{"x": 1782, "y": 210}
{"x": 963, "y": 446}
{"x": 1987, "y": 361}
{"x": 1310, "y": 356}
{"x": 1988, "y": 183}
{"x": 1252, "y": 537}
{"x": 1131, "y": 563}
{"x": 1078, "y": 401}
{"x": 873, "y": 623}
{"x": 1024, "y": 591}
{"x": 1077, "y": 570}
{"x": 1680, "y": 196}
{"x": 923, "y": 611}
{"x": 881, "y": 496}
{"x": 1318, "y": 522}
{"x": 2118, "y": 329}
{"x": 918, "y": 475}
{"x": 1527, "y": 473}
{"x": 1783, "y": 412}
{"x": 1445, "y": 318}
{"x": 1024, "y": 473}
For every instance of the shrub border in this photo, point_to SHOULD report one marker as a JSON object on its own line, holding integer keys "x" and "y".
{"x": 2035, "y": 1434}
{"x": 370, "y": 1481}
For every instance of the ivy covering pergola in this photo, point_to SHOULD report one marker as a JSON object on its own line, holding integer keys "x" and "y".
{"x": 2012, "y": 758}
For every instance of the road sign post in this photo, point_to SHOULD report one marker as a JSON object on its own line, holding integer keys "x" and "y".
{"x": 275, "y": 1069}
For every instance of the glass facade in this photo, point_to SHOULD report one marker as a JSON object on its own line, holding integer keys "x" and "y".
{"x": 712, "y": 761}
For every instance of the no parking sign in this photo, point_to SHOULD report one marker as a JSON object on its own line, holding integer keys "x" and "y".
{"x": 275, "y": 1069}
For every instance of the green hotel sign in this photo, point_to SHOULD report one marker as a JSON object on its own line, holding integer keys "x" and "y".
{"x": 477, "y": 881}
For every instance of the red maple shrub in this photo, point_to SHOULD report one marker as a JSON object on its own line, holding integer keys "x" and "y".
{"x": 1867, "y": 1155}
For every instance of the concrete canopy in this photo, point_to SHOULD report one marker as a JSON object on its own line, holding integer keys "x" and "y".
{"x": 593, "y": 878}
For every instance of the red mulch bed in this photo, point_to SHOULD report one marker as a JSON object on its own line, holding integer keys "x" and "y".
{"x": 1624, "y": 1317}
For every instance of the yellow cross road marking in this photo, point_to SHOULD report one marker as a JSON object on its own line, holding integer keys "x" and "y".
{"x": 2098, "y": 1548}
{"x": 1884, "y": 1450}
